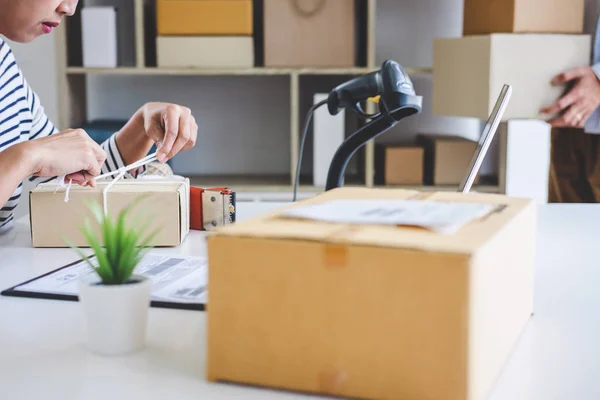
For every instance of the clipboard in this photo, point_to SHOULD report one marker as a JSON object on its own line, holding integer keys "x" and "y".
{"x": 15, "y": 291}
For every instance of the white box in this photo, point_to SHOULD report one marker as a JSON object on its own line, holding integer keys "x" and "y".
{"x": 205, "y": 51}
{"x": 526, "y": 154}
{"x": 99, "y": 37}
{"x": 329, "y": 134}
{"x": 468, "y": 72}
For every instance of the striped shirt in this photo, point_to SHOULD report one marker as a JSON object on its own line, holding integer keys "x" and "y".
{"x": 22, "y": 118}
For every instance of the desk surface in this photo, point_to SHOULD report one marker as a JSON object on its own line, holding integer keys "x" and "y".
{"x": 42, "y": 355}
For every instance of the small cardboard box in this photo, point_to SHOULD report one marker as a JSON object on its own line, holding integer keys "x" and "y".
{"x": 469, "y": 72}
{"x": 446, "y": 158}
{"x": 523, "y": 16}
{"x": 371, "y": 311}
{"x": 307, "y": 33}
{"x": 204, "y": 17}
{"x": 399, "y": 165}
{"x": 205, "y": 52}
{"x": 166, "y": 202}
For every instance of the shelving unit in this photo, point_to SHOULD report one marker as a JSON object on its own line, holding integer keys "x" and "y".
{"x": 73, "y": 95}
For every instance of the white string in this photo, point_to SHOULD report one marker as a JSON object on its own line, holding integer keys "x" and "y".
{"x": 61, "y": 183}
{"x": 119, "y": 172}
{"x": 105, "y": 191}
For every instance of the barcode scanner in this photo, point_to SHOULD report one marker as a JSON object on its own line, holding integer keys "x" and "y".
{"x": 397, "y": 100}
{"x": 391, "y": 83}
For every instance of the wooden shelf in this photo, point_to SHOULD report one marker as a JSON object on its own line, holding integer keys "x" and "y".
{"x": 281, "y": 184}
{"x": 230, "y": 71}
{"x": 74, "y": 97}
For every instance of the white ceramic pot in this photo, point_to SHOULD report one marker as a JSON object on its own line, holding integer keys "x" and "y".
{"x": 115, "y": 315}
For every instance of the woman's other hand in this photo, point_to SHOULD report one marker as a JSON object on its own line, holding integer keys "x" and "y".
{"x": 72, "y": 153}
{"x": 172, "y": 127}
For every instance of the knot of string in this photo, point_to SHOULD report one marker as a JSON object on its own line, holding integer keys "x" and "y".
{"x": 119, "y": 172}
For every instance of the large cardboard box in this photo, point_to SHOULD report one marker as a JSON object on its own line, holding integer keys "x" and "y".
{"x": 204, "y": 17}
{"x": 446, "y": 158}
{"x": 205, "y": 52}
{"x": 53, "y": 219}
{"x": 305, "y": 33}
{"x": 523, "y": 16}
{"x": 469, "y": 72}
{"x": 371, "y": 311}
{"x": 399, "y": 165}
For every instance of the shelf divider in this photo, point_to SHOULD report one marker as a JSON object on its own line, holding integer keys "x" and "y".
{"x": 140, "y": 50}
{"x": 294, "y": 124}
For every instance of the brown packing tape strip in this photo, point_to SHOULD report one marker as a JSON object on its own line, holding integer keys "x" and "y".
{"x": 335, "y": 256}
{"x": 318, "y": 6}
{"x": 331, "y": 382}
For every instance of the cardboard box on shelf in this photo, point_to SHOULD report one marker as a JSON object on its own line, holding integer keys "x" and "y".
{"x": 303, "y": 33}
{"x": 446, "y": 159}
{"x": 371, "y": 310}
{"x": 469, "y": 72}
{"x": 53, "y": 219}
{"x": 399, "y": 165}
{"x": 523, "y": 16}
{"x": 204, "y": 17}
{"x": 205, "y": 52}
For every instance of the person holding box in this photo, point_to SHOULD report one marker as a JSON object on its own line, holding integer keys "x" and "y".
{"x": 575, "y": 145}
{"x": 30, "y": 145}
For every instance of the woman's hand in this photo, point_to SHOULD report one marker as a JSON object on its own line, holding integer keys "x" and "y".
{"x": 72, "y": 153}
{"x": 173, "y": 128}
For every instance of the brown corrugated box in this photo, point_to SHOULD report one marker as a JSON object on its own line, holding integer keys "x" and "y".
{"x": 469, "y": 72}
{"x": 305, "y": 33}
{"x": 399, "y": 165}
{"x": 446, "y": 158}
{"x": 371, "y": 311}
{"x": 523, "y": 16}
{"x": 204, "y": 17}
{"x": 53, "y": 219}
{"x": 205, "y": 52}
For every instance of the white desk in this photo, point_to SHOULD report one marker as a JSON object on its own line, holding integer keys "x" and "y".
{"x": 42, "y": 355}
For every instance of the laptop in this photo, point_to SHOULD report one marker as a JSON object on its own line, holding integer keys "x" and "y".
{"x": 489, "y": 132}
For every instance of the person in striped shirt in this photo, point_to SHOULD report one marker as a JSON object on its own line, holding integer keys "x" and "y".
{"x": 30, "y": 145}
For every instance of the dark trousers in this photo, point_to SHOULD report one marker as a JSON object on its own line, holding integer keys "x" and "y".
{"x": 574, "y": 167}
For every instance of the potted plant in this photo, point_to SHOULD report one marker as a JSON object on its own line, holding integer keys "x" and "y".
{"x": 115, "y": 302}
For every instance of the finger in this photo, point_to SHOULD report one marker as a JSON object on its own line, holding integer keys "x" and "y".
{"x": 568, "y": 75}
{"x": 77, "y": 178}
{"x": 558, "y": 122}
{"x": 171, "y": 123}
{"x": 562, "y": 103}
{"x": 585, "y": 115}
{"x": 183, "y": 136}
{"x": 193, "y": 134}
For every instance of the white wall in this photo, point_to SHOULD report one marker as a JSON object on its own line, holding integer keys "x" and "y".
{"x": 38, "y": 62}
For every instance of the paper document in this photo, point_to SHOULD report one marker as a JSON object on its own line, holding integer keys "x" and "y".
{"x": 441, "y": 217}
{"x": 174, "y": 279}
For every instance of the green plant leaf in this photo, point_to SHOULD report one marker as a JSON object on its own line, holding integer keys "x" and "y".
{"x": 124, "y": 241}
{"x": 104, "y": 267}
{"x": 80, "y": 253}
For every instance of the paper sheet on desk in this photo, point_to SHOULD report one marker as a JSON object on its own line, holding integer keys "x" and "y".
{"x": 441, "y": 217}
{"x": 174, "y": 279}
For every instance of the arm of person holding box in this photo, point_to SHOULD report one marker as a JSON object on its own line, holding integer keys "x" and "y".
{"x": 30, "y": 145}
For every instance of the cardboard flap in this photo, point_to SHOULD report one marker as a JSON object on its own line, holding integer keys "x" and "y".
{"x": 466, "y": 240}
